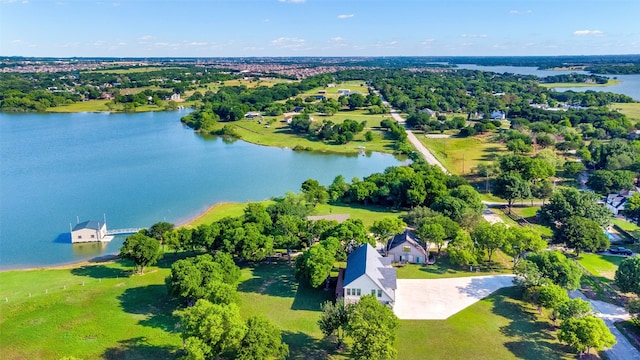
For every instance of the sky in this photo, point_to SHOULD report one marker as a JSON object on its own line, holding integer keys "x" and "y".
{"x": 244, "y": 28}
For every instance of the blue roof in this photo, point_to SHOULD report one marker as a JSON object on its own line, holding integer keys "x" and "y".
{"x": 90, "y": 224}
{"x": 365, "y": 260}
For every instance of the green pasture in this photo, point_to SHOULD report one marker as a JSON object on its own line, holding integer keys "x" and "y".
{"x": 601, "y": 266}
{"x": 501, "y": 326}
{"x": 461, "y": 155}
{"x": 611, "y": 82}
{"x": 631, "y": 110}
{"x": 273, "y": 131}
{"x": 99, "y": 106}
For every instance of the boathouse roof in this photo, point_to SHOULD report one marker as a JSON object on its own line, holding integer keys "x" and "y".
{"x": 90, "y": 224}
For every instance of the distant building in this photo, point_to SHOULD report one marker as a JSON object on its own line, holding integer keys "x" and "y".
{"x": 498, "y": 115}
{"x": 616, "y": 202}
{"x": 427, "y": 111}
{"x": 175, "y": 97}
{"x": 368, "y": 273}
{"x": 344, "y": 92}
{"x": 89, "y": 231}
{"x": 252, "y": 114}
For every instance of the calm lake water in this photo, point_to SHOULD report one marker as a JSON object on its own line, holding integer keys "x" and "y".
{"x": 137, "y": 169}
{"x": 629, "y": 84}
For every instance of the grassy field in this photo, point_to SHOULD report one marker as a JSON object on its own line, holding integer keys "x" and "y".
{"x": 460, "y": 155}
{"x": 101, "y": 311}
{"x": 631, "y": 110}
{"x": 367, "y": 214}
{"x": 601, "y": 266}
{"x": 272, "y": 131}
{"x": 332, "y": 92}
{"x": 500, "y": 326}
{"x": 611, "y": 82}
{"x": 98, "y": 106}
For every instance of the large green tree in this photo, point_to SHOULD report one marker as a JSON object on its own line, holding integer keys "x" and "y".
{"x": 568, "y": 202}
{"x": 521, "y": 240}
{"x": 632, "y": 208}
{"x": 556, "y": 267}
{"x": 262, "y": 340}
{"x": 334, "y": 319}
{"x": 511, "y": 186}
{"x": 386, "y": 228}
{"x": 141, "y": 249}
{"x": 490, "y": 237}
{"x": 586, "y": 333}
{"x": 581, "y": 234}
{"x": 372, "y": 326}
{"x": 211, "y": 329}
{"x": 159, "y": 230}
{"x": 205, "y": 277}
{"x": 628, "y": 275}
{"x": 314, "y": 265}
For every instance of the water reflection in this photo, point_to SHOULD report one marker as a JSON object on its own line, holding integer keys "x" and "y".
{"x": 89, "y": 249}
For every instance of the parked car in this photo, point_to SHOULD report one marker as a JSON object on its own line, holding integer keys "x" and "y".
{"x": 621, "y": 251}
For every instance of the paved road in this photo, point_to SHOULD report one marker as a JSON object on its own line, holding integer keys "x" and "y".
{"x": 417, "y": 144}
{"x": 622, "y": 350}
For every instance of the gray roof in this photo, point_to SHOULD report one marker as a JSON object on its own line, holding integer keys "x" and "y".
{"x": 365, "y": 260}
{"x": 90, "y": 224}
{"x": 405, "y": 239}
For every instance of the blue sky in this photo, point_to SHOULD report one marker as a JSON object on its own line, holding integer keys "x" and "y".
{"x": 212, "y": 28}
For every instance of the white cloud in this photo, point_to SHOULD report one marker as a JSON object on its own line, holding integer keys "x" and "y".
{"x": 345, "y": 16}
{"x": 288, "y": 43}
{"x": 115, "y": 4}
{"x": 588, "y": 33}
{"x": 474, "y": 35}
{"x": 293, "y": 1}
{"x": 337, "y": 39}
{"x": 427, "y": 42}
{"x": 145, "y": 37}
{"x": 198, "y": 43}
{"x": 520, "y": 12}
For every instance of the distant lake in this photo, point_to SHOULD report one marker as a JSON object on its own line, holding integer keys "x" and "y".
{"x": 137, "y": 169}
{"x": 629, "y": 84}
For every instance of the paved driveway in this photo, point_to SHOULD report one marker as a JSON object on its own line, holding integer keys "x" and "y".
{"x": 438, "y": 299}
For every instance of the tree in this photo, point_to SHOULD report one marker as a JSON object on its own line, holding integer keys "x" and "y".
{"x": 204, "y": 277}
{"x": 158, "y": 231}
{"x": 486, "y": 171}
{"x": 552, "y": 296}
{"x": 315, "y": 264}
{"x": 287, "y": 227}
{"x": 585, "y": 333}
{"x": 210, "y": 329}
{"x": 581, "y": 234}
{"x": 521, "y": 240}
{"x": 574, "y": 308}
{"x": 556, "y": 267}
{"x": 632, "y": 208}
{"x": 372, "y": 326}
{"x": 572, "y": 168}
{"x": 430, "y": 233}
{"x": 567, "y": 202}
{"x": 334, "y": 319}
{"x": 633, "y": 307}
{"x": 356, "y": 101}
{"x": 262, "y": 340}
{"x": 314, "y": 192}
{"x": 511, "y": 186}
{"x": 462, "y": 250}
{"x": 528, "y": 274}
{"x": 141, "y": 249}
{"x": 490, "y": 237}
{"x": 384, "y": 229}
{"x": 518, "y": 146}
{"x": 627, "y": 276}
{"x": 609, "y": 181}
{"x": 338, "y": 188}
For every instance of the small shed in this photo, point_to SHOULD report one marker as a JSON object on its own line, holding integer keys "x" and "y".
{"x": 89, "y": 231}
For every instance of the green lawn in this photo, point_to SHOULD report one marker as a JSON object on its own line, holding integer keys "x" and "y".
{"x": 87, "y": 312}
{"x": 219, "y": 211}
{"x": 272, "y": 131}
{"x": 631, "y": 110}
{"x": 498, "y": 327}
{"x": 98, "y": 106}
{"x": 332, "y": 92}
{"x": 444, "y": 269}
{"x": 601, "y": 266}
{"x": 611, "y": 82}
{"x": 460, "y": 155}
{"x": 368, "y": 214}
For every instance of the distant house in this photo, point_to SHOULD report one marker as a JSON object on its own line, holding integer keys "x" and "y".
{"x": 322, "y": 92}
{"x": 428, "y": 111}
{"x": 498, "y": 115}
{"x": 367, "y": 273}
{"x": 252, "y": 115}
{"x": 319, "y": 97}
{"x": 298, "y": 109}
{"x": 404, "y": 248}
{"x": 175, "y": 97}
{"x": 616, "y": 202}
{"x": 344, "y": 92}
{"x": 89, "y": 231}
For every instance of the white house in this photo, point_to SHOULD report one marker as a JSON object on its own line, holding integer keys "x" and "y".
{"x": 405, "y": 248}
{"x": 615, "y": 202}
{"x": 252, "y": 115}
{"x": 367, "y": 273}
{"x": 428, "y": 111}
{"x": 90, "y": 231}
{"x": 498, "y": 115}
